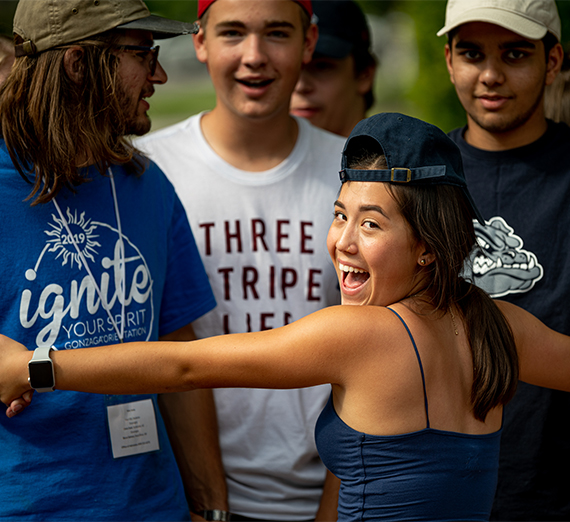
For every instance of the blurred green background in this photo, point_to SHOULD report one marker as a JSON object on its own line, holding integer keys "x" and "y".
{"x": 412, "y": 77}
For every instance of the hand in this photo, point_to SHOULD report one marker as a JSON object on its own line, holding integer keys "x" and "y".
{"x": 18, "y": 405}
{"x": 15, "y": 391}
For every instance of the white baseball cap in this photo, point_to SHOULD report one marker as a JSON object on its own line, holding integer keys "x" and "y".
{"x": 530, "y": 19}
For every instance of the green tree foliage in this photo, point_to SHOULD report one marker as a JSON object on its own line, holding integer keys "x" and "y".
{"x": 7, "y": 8}
{"x": 183, "y": 10}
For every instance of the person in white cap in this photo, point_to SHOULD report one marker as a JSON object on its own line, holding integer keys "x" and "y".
{"x": 96, "y": 248}
{"x": 501, "y": 55}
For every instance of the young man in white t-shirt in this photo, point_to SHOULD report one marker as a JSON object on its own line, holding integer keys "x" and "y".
{"x": 258, "y": 186}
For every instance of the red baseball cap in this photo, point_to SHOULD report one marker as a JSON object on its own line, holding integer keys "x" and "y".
{"x": 204, "y": 4}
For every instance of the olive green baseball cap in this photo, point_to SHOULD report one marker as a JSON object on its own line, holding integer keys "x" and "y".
{"x": 45, "y": 24}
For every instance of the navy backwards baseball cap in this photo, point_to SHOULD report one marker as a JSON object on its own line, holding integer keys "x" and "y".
{"x": 343, "y": 28}
{"x": 417, "y": 153}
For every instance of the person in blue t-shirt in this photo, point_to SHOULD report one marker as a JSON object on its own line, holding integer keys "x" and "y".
{"x": 97, "y": 249}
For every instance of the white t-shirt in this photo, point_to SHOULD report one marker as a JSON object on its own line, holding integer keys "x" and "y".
{"x": 262, "y": 237}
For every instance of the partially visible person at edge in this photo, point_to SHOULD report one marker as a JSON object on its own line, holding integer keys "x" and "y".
{"x": 501, "y": 54}
{"x": 421, "y": 361}
{"x": 257, "y": 184}
{"x": 336, "y": 88}
{"x": 6, "y": 57}
{"x": 96, "y": 249}
{"x": 557, "y": 95}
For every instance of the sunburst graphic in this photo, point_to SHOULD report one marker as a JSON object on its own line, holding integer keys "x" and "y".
{"x": 82, "y": 233}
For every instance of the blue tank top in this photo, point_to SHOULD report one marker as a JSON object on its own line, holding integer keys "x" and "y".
{"x": 424, "y": 475}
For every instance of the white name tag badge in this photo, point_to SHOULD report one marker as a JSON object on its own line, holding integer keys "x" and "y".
{"x": 132, "y": 427}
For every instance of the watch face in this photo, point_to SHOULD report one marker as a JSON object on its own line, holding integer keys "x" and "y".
{"x": 41, "y": 374}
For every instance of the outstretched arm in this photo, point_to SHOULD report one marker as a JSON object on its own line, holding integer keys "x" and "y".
{"x": 544, "y": 355}
{"x": 308, "y": 352}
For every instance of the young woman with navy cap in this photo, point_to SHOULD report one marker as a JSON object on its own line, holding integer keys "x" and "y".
{"x": 420, "y": 368}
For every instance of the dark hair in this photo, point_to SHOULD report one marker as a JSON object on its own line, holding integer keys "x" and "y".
{"x": 363, "y": 59}
{"x": 440, "y": 217}
{"x": 49, "y": 121}
{"x": 549, "y": 42}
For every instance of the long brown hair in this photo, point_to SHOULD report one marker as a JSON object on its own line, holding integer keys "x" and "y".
{"x": 49, "y": 121}
{"x": 440, "y": 217}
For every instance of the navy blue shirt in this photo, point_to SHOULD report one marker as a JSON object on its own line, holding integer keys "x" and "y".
{"x": 524, "y": 196}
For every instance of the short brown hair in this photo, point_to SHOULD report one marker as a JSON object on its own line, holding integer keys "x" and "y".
{"x": 305, "y": 19}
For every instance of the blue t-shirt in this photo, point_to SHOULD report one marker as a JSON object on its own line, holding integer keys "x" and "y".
{"x": 56, "y": 461}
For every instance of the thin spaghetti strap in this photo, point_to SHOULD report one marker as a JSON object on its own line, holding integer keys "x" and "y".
{"x": 419, "y": 361}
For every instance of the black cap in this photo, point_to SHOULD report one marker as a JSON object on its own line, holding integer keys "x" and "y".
{"x": 342, "y": 28}
{"x": 417, "y": 153}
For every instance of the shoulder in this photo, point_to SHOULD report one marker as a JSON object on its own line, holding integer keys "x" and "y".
{"x": 168, "y": 134}
{"x": 358, "y": 327}
{"x": 151, "y": 171}
{"x": 318, "y": 136}
{"x": 151, "y": 185}
{"x": 560, "y": 130}
{"x": 456, "y": 135}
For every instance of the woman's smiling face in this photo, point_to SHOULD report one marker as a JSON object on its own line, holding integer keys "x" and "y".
{"x": 373, "y": 248}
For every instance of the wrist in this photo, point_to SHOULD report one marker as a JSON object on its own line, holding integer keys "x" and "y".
{"x": 41, "y": 369}
{"x": 213, "y": 514}
{"x": 14, "y": 380}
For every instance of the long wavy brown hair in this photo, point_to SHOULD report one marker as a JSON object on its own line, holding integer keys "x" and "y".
{"x": 54, "y": 126}
{"x": 440, "y": 217}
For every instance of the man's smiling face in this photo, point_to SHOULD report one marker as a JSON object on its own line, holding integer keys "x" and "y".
{"x": 499, "y": 76}
{"x": 254, "y": 52}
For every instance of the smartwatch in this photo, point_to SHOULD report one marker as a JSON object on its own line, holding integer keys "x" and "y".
{"x": 40, "y": 369}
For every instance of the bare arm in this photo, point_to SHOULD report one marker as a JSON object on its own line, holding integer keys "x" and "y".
{"x": 315, "y": 350}
{"x": 544, "y": 355}
{"x": 190, "y": 419}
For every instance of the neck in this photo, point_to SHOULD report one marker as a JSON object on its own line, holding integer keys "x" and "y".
{"x": 351, "y": 123}
{"x": 520, "y": 136}
{"x": 250, "y": 144}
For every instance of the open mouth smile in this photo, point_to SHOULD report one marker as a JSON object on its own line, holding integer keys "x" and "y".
{"x": 253, "y": 84}
{"x": 352, "y": 278}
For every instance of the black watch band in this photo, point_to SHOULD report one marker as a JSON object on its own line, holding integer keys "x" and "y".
{"x": 214, "y": 514}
